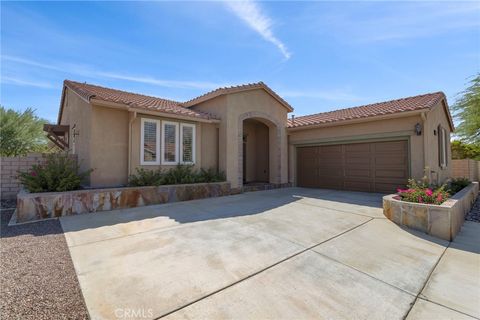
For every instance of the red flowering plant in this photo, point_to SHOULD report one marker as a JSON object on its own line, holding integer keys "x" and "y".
{"x": 421, "y": 192}
{"x": 58, "y": 173}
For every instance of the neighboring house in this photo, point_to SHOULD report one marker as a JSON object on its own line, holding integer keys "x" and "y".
{"x": 245, "y": 132}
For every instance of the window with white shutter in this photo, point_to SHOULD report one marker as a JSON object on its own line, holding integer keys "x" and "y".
{"x": 150, "y": 142}
{"x": 187, "y": 138}
{"x": 170, "y": 142}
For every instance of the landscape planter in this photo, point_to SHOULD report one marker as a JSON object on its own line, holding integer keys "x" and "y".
{"x": 44, "y": 205}
{"x": 443, "y": 221}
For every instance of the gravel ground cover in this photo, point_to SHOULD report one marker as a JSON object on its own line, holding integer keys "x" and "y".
{"x": 37, "y": 278}
{"x": 474, "y": 214}
{"x": 7, "y": 203}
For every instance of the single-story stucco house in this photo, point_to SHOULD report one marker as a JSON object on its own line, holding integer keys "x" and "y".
{"x": 245, "y": 132}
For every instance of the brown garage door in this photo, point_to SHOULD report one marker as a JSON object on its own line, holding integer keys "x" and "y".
{"x": 372, "y": 167}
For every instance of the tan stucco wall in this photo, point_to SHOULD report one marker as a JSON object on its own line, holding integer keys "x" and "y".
{"x": 437, "y": 116}
{"x": 233, "y": 109}
{"x": 109, "y": 147}
{"x": 217, "y": 107}
{"x": 397, "y": 128}
{"x": 209, "y": 145}
{"x": 77, "y": 112}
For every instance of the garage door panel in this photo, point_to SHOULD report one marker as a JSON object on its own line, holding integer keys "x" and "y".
{"x": 358, "y": 161}
{"x": 390, "y": 146}
{"x": 307, "y": 168}
{"x": 358, "y": 186}
{"x": 390, "y": 161}
{"x": 357, "y": 147}
{"x": 390, "y": 174}
{"x": 331, "y": 149}
{"x": 332, "y": 163}
{"x": 350, "y": 174}
{"x": 328, "y": 158}
{"x": 331, "y": 172}
{"x": 371, "y": 167}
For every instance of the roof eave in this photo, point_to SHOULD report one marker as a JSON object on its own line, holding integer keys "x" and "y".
{"x": 109, "y": 104}
{"x": 62, "y": 100}
{"x": 359, "y": 120}
{"x": 222, "y": 92}
{"x": 444, "y": 104}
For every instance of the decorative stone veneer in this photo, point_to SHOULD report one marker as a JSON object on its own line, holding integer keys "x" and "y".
{"x": 265, "y": 186}
{"x": 443, "y": 221}
{"x": 36, "y": 206}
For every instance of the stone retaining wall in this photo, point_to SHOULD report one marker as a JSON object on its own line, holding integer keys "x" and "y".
{"x": 36, "y": 206}
{"x": 443, "y": 221}
{"x": 265, "y": 186}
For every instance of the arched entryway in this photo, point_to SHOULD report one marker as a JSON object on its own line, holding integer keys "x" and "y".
{"x": 256, "y": 152}
{"x": 259, "y": 149}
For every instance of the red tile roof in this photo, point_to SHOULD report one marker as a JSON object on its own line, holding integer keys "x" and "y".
{"x": 89, "y": 91}
{"x": 233, "y": 89}
{"x": 420, "y": 102}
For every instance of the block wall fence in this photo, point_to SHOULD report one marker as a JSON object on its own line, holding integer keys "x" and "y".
{"x": 9, "y": 168}
{"x": 466, "y": 168}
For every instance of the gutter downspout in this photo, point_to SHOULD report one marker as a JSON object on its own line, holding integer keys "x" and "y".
{"x": 130, "y": 123}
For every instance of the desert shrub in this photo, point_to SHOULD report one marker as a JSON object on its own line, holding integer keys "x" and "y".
{"x": 144, "y": 177}
{"x": 457, "y": 184}
{"x": 59, "y": 173}
{"x": 181, "y": 174}
{"x": 421, "y": 192}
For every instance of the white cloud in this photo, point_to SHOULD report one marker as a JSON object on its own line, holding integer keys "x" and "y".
{"x": 251, "y": 13}
{"x": 398, "y": 21}
{"x": 23, "y": 82}
{"x": 31, "y": 63}
{"x": 162, "y": 82}
{"x": 90, "y": 72}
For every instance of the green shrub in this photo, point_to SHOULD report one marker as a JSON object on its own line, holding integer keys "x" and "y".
{"x": 181, "y": 174}
{"x": 210, "y": 175}
{"x": 420, "y": 192}
{"x": 59, "y": 173}
{"x": 457, "y": 184}
{"x": 145, "y": 177}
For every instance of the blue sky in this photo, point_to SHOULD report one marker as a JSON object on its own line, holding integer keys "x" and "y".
{"x": 319, "y": 56}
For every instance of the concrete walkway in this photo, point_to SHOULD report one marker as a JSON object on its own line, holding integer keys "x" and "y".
{"x": 280, "y": 254}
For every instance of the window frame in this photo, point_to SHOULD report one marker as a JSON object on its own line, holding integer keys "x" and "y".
{"x": 193, "y": 126}
{"x": 142, "y": 142}
{"x": 442, "y": 147}
{"x": 177, "y": 143}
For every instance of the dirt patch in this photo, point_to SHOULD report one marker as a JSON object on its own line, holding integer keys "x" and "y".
{"x": 37, "y": 278}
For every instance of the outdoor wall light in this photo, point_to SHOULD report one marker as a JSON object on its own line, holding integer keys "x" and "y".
{"x": 418, "y": 129}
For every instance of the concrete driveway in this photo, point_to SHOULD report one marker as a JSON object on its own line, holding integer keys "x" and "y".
{"x": 281, "y": 254}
